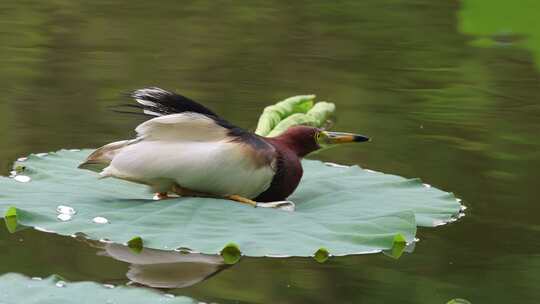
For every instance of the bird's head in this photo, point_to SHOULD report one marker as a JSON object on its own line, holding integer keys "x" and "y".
{"x": 304, "y": 140}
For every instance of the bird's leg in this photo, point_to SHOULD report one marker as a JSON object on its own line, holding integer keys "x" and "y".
{"x": 241, "y": 199}
{"x": 188, "y": 192}
{"x": 284, "y": 205}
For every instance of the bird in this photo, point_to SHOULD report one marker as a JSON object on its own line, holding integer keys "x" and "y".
{"x": 185, "y": 148}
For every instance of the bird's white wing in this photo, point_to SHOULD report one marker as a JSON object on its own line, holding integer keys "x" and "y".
{"x": 187, "y": 126}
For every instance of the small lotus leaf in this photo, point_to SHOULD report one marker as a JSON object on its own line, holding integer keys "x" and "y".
{"x": 231, "y": 254}
{"x": 10, "y": 218}
{"x": 321, "y": 255}
{"x": 135, "y": 244}
{"x": 16, "y": 288}
{"x": 400, "y": 243}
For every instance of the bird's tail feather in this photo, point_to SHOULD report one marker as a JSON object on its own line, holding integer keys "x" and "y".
{"x": 155, "y": 101}
{"x": 103, "y": 156}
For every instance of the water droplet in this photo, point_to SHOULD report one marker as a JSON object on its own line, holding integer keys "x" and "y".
{"x": 43, "y": 229}
{"x": 22, "y": 178}
{"x": 100, "y": 220}
{"x": 458, "y": 200}
{"x": 427, "y": 185}
{"x": 277, "y": 256}
{"x": 37, "y": 278}
{"x": 168, "y": 295}
{"x": 42, "y": 154}
{"x": 22, "y": 159}
{"x": 65, "y": 210}
{"x": 108, "y": 286}
{"x": 64, "y": 217}
{"x": 79, "y": 235}
{"x": 335, "y": 165}
{"x": 12, "y": 173}
{"x": 437, "y": 223}
{"x": 183, "y": 250}
{"x": 60, "y": 284}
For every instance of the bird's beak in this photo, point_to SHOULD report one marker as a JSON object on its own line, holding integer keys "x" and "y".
{"x": 341, "y": 137}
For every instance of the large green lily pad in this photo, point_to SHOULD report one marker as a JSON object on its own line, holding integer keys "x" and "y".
{"x": 346, "y": 210}
{"x": 16, "y": 288}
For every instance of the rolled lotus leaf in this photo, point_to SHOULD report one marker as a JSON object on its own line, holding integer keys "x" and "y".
{"x": 321, "y": 112}
{"x": 316, "y": 117}
{"x": 273, "y": 114}
{"x": 293, "y": 120}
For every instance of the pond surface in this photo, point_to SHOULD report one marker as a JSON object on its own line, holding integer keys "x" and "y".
{"x": 449, "y": 92}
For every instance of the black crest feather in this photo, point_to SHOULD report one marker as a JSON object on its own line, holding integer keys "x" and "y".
{"x": 155, "y": 101}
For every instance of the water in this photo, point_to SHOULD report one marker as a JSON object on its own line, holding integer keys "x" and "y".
{"x": 448, "y": 93}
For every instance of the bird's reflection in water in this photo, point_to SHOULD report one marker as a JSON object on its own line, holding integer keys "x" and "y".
{"x": 165, "y": 269}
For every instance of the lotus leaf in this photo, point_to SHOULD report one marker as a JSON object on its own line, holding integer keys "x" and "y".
{"x": 345, "y": 210}
{"x": 17, "y": 288}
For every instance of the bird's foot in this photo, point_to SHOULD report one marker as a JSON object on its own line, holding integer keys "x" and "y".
{"x": 282, "y": 205}
{"x": 188, "y": 192}
{"x": 160, "y": 196}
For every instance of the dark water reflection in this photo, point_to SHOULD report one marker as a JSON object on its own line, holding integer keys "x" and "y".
{"x": 449, "y": 94}
{"x": 163, "y": 269}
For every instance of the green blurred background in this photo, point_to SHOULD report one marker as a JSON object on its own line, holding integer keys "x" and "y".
{"x": 448, "y": 90}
